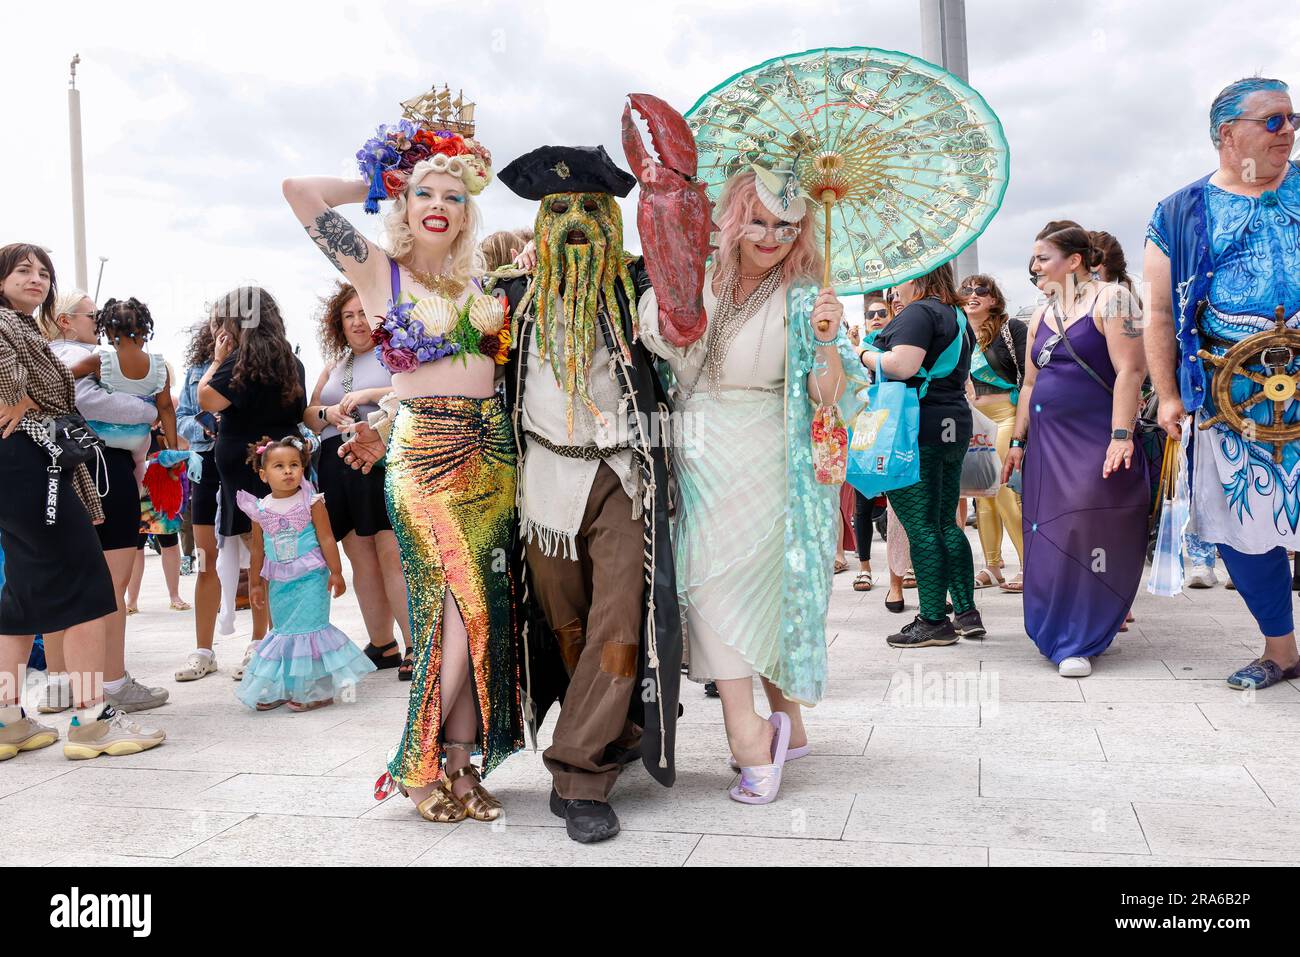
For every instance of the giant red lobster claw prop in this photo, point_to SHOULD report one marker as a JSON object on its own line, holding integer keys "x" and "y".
{"x": 673, "y": 216}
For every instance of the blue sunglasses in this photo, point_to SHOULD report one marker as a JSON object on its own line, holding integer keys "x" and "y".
{"x": 1275, "y": 122}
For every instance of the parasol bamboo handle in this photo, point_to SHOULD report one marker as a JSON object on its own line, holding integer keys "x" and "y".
{"x": 828, "y": 197}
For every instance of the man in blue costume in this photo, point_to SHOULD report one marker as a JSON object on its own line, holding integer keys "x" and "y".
{"x": 1223, "y": 262}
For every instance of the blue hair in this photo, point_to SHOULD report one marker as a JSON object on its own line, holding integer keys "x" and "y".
{"x": 1228, "y": 104}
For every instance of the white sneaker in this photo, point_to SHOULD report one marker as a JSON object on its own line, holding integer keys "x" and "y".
{"x": 134, "y": 696}
{"x": 238, "y": 674}
{"x": 197, "y": 665}
{"x": 1201, "y": 576}
{"x": 114, "y": 735}
{"x": 57, "y": 695}
{"x": 1074, "y": 668}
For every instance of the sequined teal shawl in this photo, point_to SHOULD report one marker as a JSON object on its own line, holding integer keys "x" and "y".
{"x": 811, "y": 525}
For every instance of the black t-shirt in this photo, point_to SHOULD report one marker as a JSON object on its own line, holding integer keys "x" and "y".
{"x": 258, "y": 408}
{"x": 1000, "y": 359}
{"x": 930, "y": 325}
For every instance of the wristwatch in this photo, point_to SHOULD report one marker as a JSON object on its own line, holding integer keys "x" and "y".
{"x": 1121, "y": 435}
{"x": 1017, "y": 443}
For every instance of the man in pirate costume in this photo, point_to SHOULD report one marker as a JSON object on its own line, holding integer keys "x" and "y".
{"x": 590, "y": 413}
{"x": 1223, "y": 262}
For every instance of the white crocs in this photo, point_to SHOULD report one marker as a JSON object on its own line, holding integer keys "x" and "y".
{"x": 238, "y": 673}
{"x": 197, "y": 665}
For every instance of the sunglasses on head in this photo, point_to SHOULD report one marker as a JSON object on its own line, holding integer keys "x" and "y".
{"x": 975, "y": 290}
{"x": 1274, "y": 122}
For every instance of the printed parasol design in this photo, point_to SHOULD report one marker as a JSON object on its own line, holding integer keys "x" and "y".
{"x": 908, "y": 161}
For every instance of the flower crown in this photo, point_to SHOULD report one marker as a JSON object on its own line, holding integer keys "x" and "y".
{"x": 433, "y": 127}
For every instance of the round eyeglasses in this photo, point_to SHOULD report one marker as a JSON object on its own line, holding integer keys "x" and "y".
{"x": 784, "y": 234}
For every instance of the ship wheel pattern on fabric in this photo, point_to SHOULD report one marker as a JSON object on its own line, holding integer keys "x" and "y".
{"x": 1274, "y": 351}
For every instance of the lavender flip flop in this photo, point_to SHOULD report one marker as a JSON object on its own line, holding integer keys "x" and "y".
{"x": 759, "y": 785}
{"x": 791, "y": 754}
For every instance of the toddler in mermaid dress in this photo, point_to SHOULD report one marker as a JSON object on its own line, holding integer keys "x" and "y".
{"x": 304, "y": 661}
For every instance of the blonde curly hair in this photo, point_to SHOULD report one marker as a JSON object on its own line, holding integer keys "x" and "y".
{"x": 465, "y": 261}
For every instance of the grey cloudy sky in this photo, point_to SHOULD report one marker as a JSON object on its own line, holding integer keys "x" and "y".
{"x": 192, "y": 115}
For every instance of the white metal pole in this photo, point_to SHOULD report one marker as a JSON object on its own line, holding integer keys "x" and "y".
{"x": 943, "y": 42}
{"x": 78, "y": 184}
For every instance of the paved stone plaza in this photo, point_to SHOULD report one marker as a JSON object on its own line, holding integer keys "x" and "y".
{"x": 973, "y": 754}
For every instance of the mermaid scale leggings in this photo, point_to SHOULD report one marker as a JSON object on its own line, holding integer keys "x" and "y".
{"x": 941, "y": 555}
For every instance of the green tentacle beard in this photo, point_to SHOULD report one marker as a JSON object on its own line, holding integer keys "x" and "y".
{"x": 577, "y": 277}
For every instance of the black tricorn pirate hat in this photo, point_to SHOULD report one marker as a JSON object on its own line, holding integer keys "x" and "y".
{"x": 565, "y": 169}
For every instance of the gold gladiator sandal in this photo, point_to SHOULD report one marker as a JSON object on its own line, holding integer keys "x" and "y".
{"x": 478, "y": 803}
{"x": 440, "y": 807}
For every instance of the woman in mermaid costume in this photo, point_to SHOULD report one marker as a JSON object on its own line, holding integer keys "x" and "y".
{"x": 304, "y": 661}
{"x": 450, "y": 466}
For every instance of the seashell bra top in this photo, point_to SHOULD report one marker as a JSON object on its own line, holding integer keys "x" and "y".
{"x": 416, "y": 331}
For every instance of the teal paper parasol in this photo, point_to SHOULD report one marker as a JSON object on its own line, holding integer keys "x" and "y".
{"x": 908, "y": 162}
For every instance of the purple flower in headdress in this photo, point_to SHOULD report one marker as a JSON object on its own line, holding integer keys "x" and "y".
{"x": 377, "y": 151}
{"x": 415, "y": 154}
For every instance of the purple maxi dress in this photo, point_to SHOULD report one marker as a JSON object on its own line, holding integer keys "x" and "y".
{"x": 1085, "y": 536}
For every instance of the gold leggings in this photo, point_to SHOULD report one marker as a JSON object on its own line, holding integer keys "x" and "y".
{"x": 1002, "y": 511}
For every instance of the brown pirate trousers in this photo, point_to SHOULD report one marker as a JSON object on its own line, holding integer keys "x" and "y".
{"x": 594, "y": 605}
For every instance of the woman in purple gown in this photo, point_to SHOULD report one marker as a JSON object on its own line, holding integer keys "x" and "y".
{"x": 1085, "y": 483}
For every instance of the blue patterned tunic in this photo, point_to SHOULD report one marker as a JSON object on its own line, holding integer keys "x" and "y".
{"x": 1254, "y": 245}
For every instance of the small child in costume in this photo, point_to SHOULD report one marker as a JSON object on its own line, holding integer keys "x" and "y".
{"x": 123, "y": 365}
{"x": 304, "y": 661}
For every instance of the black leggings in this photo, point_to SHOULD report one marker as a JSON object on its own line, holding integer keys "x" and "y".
{"x": 164, "y": 541}
{"x": 865, "y": 513}
{"x": 940, "y": 552}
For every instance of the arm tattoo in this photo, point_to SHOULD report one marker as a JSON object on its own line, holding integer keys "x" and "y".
{"x": 335, "y": 236}
{"x": 1123, "y": 307}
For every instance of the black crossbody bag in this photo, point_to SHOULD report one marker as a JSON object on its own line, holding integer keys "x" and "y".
{"x": 70, "y": 442}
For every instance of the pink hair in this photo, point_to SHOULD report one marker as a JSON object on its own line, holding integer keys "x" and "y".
{"x": 736, "y": 208}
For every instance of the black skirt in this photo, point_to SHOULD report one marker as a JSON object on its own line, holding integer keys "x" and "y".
{"x": 55, "y": 575}
{"x": 203, "y": 495}
{"x": 355, "y": 501}
{"x": 231, "y": 454}
{"x": 121, "y": 525}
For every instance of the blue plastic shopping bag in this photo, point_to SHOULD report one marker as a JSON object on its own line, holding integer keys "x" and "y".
{"x": 883, "y": 452}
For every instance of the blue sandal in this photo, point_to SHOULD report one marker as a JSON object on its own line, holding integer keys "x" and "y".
{"x": 1262, "y": 673}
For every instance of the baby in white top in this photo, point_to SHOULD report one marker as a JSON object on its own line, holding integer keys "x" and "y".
{"x": 123, "y": 365}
